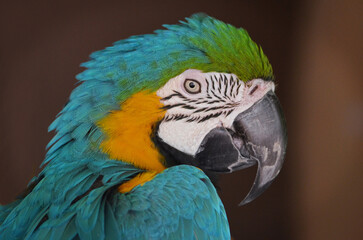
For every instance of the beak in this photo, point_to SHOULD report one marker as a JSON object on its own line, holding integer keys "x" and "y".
{"x": 259, "y": 136}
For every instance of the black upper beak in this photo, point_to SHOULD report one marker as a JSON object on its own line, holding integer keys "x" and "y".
{"x": 258, "y": 136}
{"x": 264, "y": 131}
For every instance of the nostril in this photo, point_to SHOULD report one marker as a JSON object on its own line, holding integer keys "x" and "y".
{"x": 253, "y": 90}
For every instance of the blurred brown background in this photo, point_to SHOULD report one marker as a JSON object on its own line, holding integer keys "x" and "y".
{"x": 315, "y": 48}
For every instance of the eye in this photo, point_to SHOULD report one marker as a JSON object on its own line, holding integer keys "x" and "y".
{"x": 192, "y": 86}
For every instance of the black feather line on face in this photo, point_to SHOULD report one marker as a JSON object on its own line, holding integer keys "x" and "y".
{"x": 201, "y": 102}
{"x": 217, "y": 108}
{"x": 220, "y": 84}
{"x": 183, "y": 105}
{"x": 214, "y": 101}
{"x": 193, "y": 119}
{"x": 214, "y": 96}
{"x": 189, "y": 107}
{"x": 215, "y": 78}
{"x": 175, "y": 94}
{"x": 214, "y": 115}
{"x": 180, "y": 117}
{"x": 239, "y": 85}
{"x": 173, "y": 106}
{"x": 169, "y": 97}
{"x": 175, "y": 117}
{"x": 200, "y": 110}
{"x": 233, "y": 83}
{"x": 231, "y": 80}
{"x": 226, "y": 87}
{"x": 229, "y": 112}
{"x": 214, "y": 88}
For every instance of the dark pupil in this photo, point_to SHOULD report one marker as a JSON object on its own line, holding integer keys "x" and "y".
{"x": 191, "y": 85}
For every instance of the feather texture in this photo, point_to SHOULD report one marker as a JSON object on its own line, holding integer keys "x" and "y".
{"x": 75, "y": 196}
{"x": 177, "y": 204}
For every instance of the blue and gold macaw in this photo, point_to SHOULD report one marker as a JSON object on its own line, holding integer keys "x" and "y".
{"x": 153, "y": 117}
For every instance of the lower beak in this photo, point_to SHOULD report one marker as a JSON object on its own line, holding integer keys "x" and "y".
{"x": 258, "y": 136}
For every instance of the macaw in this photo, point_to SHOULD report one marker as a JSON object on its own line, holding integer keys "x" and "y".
{"x": 153, "y": 119}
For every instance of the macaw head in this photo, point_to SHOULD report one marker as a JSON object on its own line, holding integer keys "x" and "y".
{"x": 199, "y": 93}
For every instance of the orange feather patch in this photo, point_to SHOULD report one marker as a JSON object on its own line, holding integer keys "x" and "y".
{"x": 128, "y": 132}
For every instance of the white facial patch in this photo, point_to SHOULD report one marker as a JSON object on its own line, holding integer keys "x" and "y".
{"x": 191, "y": 115}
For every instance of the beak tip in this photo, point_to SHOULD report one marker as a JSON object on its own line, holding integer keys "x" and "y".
{"x": 244, "y": 202}
{"x": 260, "y": 185}
{"x": 249, "y": 198}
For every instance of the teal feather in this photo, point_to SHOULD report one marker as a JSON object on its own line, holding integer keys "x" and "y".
{"x": 75, "y": 195}
{"x": 55, "y": 197}
{"x": 148, "y": 212}
{"x": 179, "y": 221}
